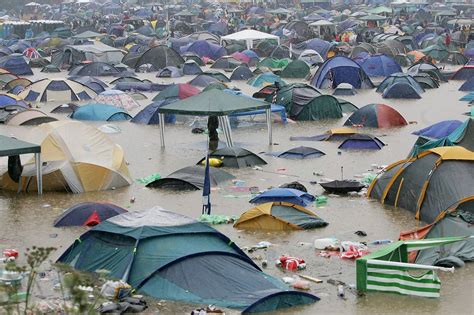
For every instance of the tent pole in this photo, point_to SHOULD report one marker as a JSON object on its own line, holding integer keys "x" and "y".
{"x": 39, "y": 173}
{"x": 268, "y": 114}
{"x": 229, "y": 130}
{"x": 162, "y": 129}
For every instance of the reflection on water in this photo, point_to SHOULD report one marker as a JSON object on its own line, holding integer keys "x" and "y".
{"x": 26, "y": 219}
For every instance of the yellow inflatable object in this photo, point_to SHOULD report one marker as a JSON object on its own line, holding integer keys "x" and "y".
{"x": 214, "y": 162}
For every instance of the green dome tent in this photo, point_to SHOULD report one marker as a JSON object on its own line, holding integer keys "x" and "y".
{"x": 172, "y": 257}
{"x": 296, "y": 69}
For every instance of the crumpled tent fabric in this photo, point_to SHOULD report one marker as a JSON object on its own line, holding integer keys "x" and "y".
{"x": 76, "y": 158}
{"x": 174, "y": 255}
{"x": 191, "y": 178}
{"x": 339, "y": 70}
{"x": 79, "y": 214}
{"x": 289, "y": 195}
{"x": 427, "y": 184}
{"x": 235, "y": 157}
{"x": 169, "y": 72}
{"x": 279, "y": 216}
{"x": 376, "y": 116}
{"x": 56, "y": 90}
{"x": 301, "y": 152}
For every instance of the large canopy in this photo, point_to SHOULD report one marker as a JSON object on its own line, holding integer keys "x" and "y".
{"x": 249, "y": 36}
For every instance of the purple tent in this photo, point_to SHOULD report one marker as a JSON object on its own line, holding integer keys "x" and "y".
{"x": 203, "y": 48}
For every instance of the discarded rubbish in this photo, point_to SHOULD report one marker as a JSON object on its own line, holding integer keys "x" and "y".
{"x": 324, "y": 243}
{"x": 316, "y": 280}
{"x": 340, "y": 291}
{"x": 381, "y": 242}
{"x": 301, "y": 284}
{"x": 321, "y": 200}
{"x": 218, "y": 219}
{"x": 360, "y": 233}
{"x": 291, "y": 263}
{"x": 148, "y": 179}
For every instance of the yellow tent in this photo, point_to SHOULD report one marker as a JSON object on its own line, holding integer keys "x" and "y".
{"x": 76, "y": 157}
{"x": 280, "y": 216}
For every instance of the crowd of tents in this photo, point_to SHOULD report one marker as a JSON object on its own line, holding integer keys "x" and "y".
{"x": 331, "y": 53}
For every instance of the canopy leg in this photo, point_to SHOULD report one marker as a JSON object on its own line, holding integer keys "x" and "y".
{"x": 268, "y": 114}
{"x": 229, "y": 130}
{"x": 162, "y": 129}
{"x": 39, "y": 173}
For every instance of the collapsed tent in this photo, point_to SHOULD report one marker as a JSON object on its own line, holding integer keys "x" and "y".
{"x": 401, "y": 90}
{"x": 177, "y": 91}
{"x": 169, "y": 256}
{"x": 427, "y": 184}
{"x": 376, "y": 116}
{"x": 88, "y": 214}
{"x": 299, "y": 153}
{"x": 169, "y": 72}
{"x": 336, "y": 134}
{"x": 190, "y": 178}
{"x": 150, "y": 115}
{"x": 289, "y": 195}
{"x": 339, "y": 70}
{"x": 47, "y": 90}
{"x": 100, "y": 112}
{"x": 235, "y": 157}
{"x": 76, "y": 158}
{"x": 279, "y": 216}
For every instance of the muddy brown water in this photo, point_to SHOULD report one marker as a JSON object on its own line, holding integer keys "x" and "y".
{"x": 26, "y": 219}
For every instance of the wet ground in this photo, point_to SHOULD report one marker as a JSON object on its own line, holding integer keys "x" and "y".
{"x": 26, "y": 219}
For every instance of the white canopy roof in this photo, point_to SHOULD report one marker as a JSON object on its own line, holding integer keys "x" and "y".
{"x": 249, "y": 36}
{"x": 322, "y": 23}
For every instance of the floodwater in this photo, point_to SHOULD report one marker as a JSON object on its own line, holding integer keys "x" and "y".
{"x": 26, "y": 219}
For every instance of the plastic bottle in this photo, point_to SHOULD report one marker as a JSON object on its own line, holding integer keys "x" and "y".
{"x": 340, "y": 291}
{"x": 381, "y": 242}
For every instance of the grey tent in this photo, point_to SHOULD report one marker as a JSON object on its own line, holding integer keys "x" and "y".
{"x": 241, "y": 73}
{"x": 159, "y": 57}
{"x": 191, "y": 68}
{"x": 95, "y": 69}
{"x": 235, "y": 157}
{"x": 190, "y": 178}
{"x": 344, "y": 89}
{"x": 401, "y": 90}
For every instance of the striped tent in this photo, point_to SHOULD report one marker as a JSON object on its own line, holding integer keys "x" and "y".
{"x": 388, "y": 270}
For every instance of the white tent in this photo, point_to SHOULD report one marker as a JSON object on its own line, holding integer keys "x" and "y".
{"x": 249, "y": 36}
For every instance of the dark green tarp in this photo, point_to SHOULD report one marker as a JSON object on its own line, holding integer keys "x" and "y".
{"x": 11, "y": 146}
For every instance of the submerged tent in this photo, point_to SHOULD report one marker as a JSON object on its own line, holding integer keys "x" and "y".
{"x": 339, "y": 70}
{"x": 179, "y": 91}
{"x": 159, "y": 57}
{"x": 376, "y": 116}
{"x": 288, "y": 195}
{"x": 190, "y": 67}
{"x": 336, "y": 134}
{"x": 116, "y": 98}
{"x": 297, "y": 69}
{"x": 401, "y": 90}
{"x": 241, "y": 73}
{"x": 76, "y": 158}
{"x": 88, "y": 213}
{"x": 344, "y": 89}
{"x": 464, "y": 73}
{"x": 427, "y": 184}
{"x": 267, "y": 78}
{"x": 279, "y": 216}
{"x": 96, "y": 69}
{"x": 300, "y": 153}
{"x": 399, "y": 78}
{"x": 468, "y": 86}
{"x": 190, "y": 178}
{"x": 319, "y": 108}
{"x": 47, "y": 90}
{"x": 27, "y": 117}
{"x": 169, "y": 256}
{"x": 100, "y": 112}
{"x": 150, "y": 115}
{"x": 361, "y": 142}
{"x": 235, "y": 157}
